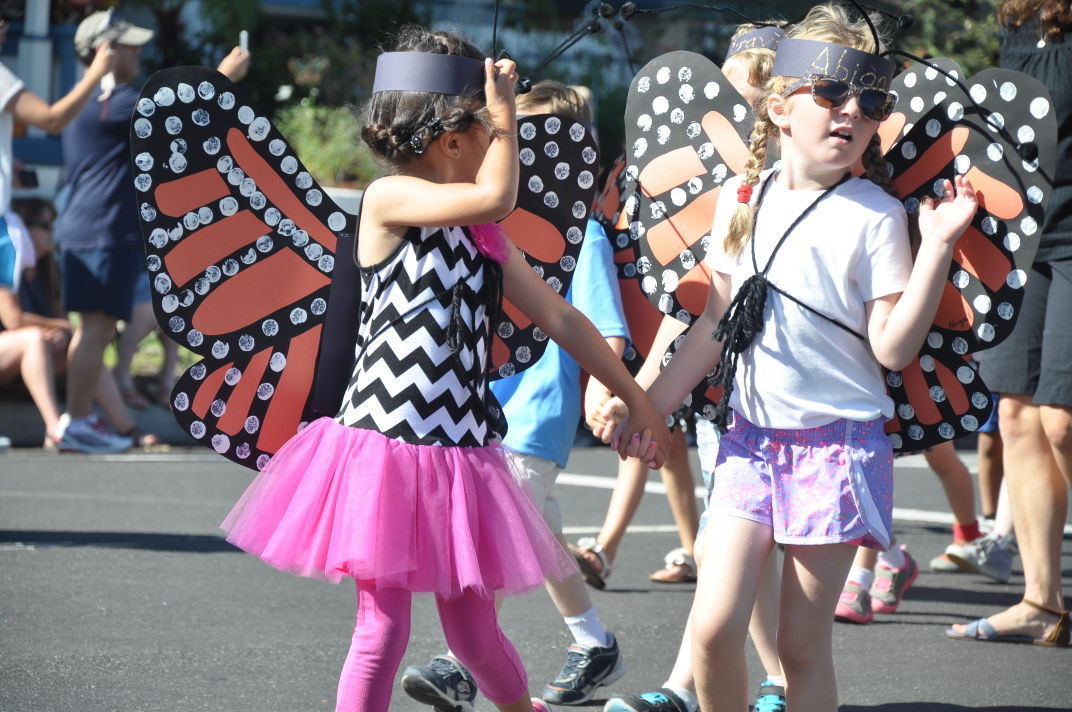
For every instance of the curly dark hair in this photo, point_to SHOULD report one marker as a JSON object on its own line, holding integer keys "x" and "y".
{"x": 392, "y": 118}
{"x": 1054, "y": 16}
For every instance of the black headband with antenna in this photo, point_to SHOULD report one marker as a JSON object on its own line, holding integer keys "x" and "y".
{"x": 428, "y": 71}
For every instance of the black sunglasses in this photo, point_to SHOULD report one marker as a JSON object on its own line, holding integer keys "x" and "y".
{"x": 830, "y": 93}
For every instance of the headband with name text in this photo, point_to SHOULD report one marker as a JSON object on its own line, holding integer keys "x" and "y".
{"x": 810, "y": 58}
{"x": 759, "y": 38}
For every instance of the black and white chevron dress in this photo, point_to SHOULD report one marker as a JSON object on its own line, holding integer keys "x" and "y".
{"x": 423, "y": 345}
{"x": 408, "y": 486}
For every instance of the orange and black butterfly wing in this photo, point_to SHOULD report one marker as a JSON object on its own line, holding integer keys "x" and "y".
{"x": 998, "y": 129}
{"x": 559, "y": 161}
{"x": 687, "y": 131}
{"x": 640, "y": 314}
{"x": 241, "y": 247}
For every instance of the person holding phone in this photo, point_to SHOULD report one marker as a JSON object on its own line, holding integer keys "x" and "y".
{"x": 100, "y": 239}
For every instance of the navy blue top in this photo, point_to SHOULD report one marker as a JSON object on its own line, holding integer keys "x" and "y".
{"x": 102, "y": 207}
{"x": 1049, "y": 63}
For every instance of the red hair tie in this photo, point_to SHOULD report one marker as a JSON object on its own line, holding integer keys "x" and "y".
{"x": 744, "y": 193}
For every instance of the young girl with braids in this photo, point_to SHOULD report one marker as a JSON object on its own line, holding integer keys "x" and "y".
{"x": 813, "y": 290}
{"x": 407, "y": 489}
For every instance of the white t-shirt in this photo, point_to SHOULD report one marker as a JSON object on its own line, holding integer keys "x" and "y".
{"x": 10, "y": 85}
{"x": 801, "y": 371}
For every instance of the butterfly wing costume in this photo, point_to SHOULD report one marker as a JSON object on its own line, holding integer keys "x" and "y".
{"x": 997, "y": 128}
{"x": 252, "y": 261}
{"x": 359, "y": 392}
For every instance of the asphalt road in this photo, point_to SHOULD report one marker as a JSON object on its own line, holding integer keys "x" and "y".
{"x": 118, "y": 594}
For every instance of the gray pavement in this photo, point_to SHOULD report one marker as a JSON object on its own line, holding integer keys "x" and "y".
{"x": 118, "y": 594}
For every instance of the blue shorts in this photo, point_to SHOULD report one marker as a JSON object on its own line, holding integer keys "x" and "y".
{"x": 991, "y": 424}
{"x": 101, "y": 279}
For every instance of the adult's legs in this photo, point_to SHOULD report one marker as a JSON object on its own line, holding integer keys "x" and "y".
{"x": 1039, "y": 498}
{"x": 811, "y": 584}
{"x": 141, "y": 323}
{"x": 722, "y": 609}
{"x": 472, "y": 630}
{"x": 991, "y": 471}
{"x": 85, "y": 358}
{"x": 26, "y": 352}
{"x": 381, "y": 634}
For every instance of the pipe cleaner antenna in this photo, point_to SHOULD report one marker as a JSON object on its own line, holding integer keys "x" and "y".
{"x": 591, "y": 27}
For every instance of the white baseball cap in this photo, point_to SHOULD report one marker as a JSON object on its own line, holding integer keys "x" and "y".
{"x": 104, "y": 26}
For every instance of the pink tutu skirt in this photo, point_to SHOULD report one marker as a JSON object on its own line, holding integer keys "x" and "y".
{"x": 337, "y": 502}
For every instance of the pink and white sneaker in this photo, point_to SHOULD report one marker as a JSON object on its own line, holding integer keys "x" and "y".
{"x": 890, "y": 584}
{"x": 854, "y": 606}
{"x": 540, "y": 706}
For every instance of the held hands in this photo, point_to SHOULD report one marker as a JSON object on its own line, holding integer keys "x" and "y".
{"x": 607, "y": 418}
{"x": 499, "y": 81}
{"x": 643, "y": 434}
{"x": 945, "y": 220}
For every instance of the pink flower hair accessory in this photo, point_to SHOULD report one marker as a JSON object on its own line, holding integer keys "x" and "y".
{"x": 491, "y": 241}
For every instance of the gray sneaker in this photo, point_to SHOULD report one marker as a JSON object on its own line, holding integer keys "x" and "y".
{"x": 990, "y": 556}
{"x": 443, "y": 683}
{"x": 586, "y": 669}
{"x": 91, "y": 435}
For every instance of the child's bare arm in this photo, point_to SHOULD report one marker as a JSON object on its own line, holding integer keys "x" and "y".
{"x": 576, "y": 334}
{"x": 898, "y": 323}
{"x": 427, "y": 201}
{"x": 698, "y": 354}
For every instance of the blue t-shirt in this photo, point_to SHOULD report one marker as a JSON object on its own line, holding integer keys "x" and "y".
{"x": 101, "y": 208}
{"x": 542, "y": 404}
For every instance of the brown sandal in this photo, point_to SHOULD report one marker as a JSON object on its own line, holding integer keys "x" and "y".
{"x": 1060, "y": 635}
{"x": 983, "y": 630}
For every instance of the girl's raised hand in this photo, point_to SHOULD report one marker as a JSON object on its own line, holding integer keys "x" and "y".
{"x": 499, "y": 81}
{"x": 946, "y": 219}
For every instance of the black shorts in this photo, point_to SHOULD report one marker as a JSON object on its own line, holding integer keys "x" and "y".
{"x": 101, "y": 279}
{"x": 1036, "y": 359}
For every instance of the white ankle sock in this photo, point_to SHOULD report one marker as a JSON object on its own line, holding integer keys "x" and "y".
{"x": 691, "y": 703}
{"x": 778, "y": 680}
{"x": 861, "y": 577}
{"x": 587, "y": 629}
{"x": 894, "y": 557}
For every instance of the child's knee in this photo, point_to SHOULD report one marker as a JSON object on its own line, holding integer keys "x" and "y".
{"x": 797, "y": 649}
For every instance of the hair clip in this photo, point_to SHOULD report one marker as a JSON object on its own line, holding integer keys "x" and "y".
{"x": 423, "y": 136}
{"x": 744, "y": 193}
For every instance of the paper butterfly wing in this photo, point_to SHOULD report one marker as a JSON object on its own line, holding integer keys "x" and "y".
{"x": 559, "y": 159}
{"x": 241, "y": 245}
{"x": 640, "y": 314}
{"x": 687, "y": 132}
{"x": 1000, "y": 133}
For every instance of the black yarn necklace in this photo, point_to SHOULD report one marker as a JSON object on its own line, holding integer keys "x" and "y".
{"x": 743, "y": 319}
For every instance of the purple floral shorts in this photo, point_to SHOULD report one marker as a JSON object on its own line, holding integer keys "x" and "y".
{"x": 824, "y": 485}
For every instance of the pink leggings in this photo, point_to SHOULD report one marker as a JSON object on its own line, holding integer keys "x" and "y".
{"x": 382, "y": 633}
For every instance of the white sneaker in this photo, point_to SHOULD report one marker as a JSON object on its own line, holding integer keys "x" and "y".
{"x": 990, "y": 556}
{"x": 91, "y": 435}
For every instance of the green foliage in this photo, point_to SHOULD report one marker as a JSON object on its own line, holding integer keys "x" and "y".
{"x": 326, "y": 139}
{"x": 964, "y": 30}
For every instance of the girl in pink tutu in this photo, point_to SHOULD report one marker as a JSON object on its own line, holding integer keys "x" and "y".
{"x": 813, "y": 287}
{"x": 406, "y": 488}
